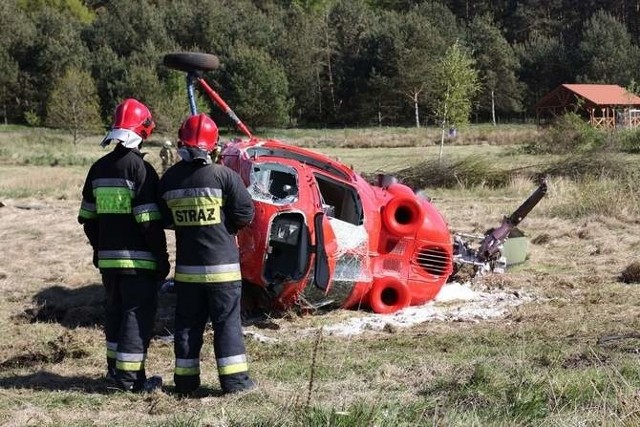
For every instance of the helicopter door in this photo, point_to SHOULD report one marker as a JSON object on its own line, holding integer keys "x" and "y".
{"x": 288, "y": 253}
{"x": 325, "y": 248}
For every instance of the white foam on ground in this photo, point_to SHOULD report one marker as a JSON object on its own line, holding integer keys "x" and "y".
{"x": 455, "y": 302}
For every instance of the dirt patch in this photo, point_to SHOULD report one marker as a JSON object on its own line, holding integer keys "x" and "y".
{"x": 26, "y": 360}
{"x": 584, "y": 360}
{"x": 72, "y": 308}
{"x": 84, "y": 307}
{"x": 631, "y": 274}
{"x": 626, "y": 343}
{"x": 63, "y": 347}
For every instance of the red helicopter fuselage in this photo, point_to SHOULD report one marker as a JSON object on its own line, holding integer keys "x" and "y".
{"x": 323, "y": 235}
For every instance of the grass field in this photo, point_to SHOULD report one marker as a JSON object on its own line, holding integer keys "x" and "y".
{"x": 568, "y": 356}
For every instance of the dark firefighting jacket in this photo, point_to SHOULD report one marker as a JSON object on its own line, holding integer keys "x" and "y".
{"x": 121, "y": 217}
{"x": 206, "y": 204}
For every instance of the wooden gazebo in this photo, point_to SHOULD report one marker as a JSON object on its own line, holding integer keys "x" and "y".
{"x": 605, "y": 106}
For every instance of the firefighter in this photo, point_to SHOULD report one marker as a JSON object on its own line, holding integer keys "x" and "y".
{"x": 166, "y": 155}
{"x": 122, "y": 221}
{"x": 206, "y": 203}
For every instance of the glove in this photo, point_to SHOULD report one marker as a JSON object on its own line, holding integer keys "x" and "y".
{"x": 163, "y": 267}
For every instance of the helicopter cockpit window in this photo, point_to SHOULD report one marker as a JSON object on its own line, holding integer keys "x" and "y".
{"x": 340, "y": 201}
{"x": 273, "y": 183}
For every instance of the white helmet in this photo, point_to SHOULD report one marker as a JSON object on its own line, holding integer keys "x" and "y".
{"x": 167, "y": 143}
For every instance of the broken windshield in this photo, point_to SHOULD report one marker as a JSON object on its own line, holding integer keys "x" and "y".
{"x": 273, "y": 183}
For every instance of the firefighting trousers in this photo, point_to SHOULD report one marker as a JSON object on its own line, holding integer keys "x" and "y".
{"x": 195, "y": 304}
{"x": 130, "y": 314}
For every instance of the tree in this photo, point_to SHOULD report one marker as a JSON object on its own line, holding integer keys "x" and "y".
{"x": 56, "y": 47}
{"x": 17, "y": 33}
{"x": 302, "y": 55}
{"x": 73, "y": 104}
{"x": 607, "y": 52}
{"x": 110, "y": 74}
{"x": 167, "y": 98}
{"x": 350, "y": 64}
{"x": 129, "y": 26}
{"x": 544, "y": 66}
{"x": 8, "y": 81}
{"x": 170, "y": 106}
{"x": 526, "y": 17}
{"x": 258, "y": 87}
{"x": 383, "y": 102}
{"x": 75, "y": 8}
{"x": 421, "y": 36}
{"x": 456, "y": 85}
{"x": 497, "y": 64}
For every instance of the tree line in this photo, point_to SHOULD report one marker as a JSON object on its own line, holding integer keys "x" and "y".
{"x": 307, "y": 62}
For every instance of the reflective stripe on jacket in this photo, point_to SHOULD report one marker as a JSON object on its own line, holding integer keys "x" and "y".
{"x": 205, "y": 204}
{"x": 120, "y": 213}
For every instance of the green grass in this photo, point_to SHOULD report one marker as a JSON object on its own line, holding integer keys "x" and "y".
{"x": 542, "y": 364}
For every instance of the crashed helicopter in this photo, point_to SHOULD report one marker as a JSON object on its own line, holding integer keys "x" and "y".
{"x": 324, "y": 236}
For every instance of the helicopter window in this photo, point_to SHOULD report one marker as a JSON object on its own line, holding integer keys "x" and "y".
{"x": 273, "y": 183}
{"x": 340, "y": 200}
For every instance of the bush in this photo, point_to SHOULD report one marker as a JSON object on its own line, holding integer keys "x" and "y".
{"x": 468, "y": 172}
{"x": 569, "y": 134}
{"x": 32, "y": 118}
{"x": 591, "y": 165}
{"x": 629, "y": 140}
{"x": 604, "y": 197}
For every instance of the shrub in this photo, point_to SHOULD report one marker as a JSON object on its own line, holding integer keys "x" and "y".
{"x": 570, "y": 133}
{"x": 591, "y": 165}
{"x": 604, "y": 197}
{"x": 629, "y": 140}
{"x": 32, "y": 118}
{"x": 467, "y": 172}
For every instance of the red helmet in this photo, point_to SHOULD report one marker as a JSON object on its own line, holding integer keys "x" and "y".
{"x": 199, "y": 131}
{"x": 133, "y": 115}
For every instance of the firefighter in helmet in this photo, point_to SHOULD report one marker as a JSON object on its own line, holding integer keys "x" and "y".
{"x": 122, "y": 221}
{"x": 206, "y": 204}
{"x": 166, "y": 155}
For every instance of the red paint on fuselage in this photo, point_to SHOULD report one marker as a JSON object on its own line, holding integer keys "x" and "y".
{"x": 368, "y": 232}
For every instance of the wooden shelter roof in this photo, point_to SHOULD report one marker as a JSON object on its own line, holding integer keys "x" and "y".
{"x": 594, "y": 95}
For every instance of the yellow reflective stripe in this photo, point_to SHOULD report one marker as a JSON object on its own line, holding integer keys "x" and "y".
{"x": 87, "y": 214}
{"x": 113, "y": 200}
{"x": 147, "y": 216}
{"x": 112, "y": 350}
{"x": 129, "y": 366}
{"x": 126, "y": 263}
{"x": 233, "y": 369}
{"x": 208, "y": 278}
{"x": 187, "y": 371}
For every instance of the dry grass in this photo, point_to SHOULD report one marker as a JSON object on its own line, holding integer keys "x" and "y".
{"x": 569, "y": 357}
{"x": 390, "y": 137}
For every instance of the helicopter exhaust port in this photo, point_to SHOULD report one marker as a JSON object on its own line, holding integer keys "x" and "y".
{"x": 402, "y": 216}
{"x": 388, "y": 295}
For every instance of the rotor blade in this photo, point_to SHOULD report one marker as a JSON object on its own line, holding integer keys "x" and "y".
{"x": 223, "y": 105}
